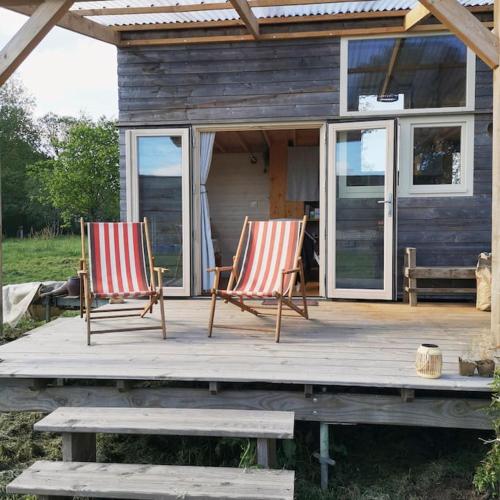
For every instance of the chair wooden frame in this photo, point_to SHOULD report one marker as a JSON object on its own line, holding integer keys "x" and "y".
{"x": 283, "y": 297}
{"x": 155, "y": 296}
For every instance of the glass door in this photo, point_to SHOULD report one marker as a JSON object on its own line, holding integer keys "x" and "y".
{"x": 361, "y": 209}
{"x": 158, "y": 188}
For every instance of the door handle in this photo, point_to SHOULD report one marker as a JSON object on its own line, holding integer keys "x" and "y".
{"x": 387, "y": 202}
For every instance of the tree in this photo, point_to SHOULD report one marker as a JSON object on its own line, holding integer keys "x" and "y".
{"x": 19, "y": 147}
{"x": 82, "y": 180}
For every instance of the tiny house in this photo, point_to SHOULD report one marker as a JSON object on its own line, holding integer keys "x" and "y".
{"x": 380, "y": 135}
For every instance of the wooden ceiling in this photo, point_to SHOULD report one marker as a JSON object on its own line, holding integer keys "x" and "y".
{"x": 259, "y": 141}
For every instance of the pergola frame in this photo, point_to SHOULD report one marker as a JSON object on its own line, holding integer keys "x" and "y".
{"x": 459, "y": 20}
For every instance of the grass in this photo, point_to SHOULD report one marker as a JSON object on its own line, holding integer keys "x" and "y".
{"x": 40, "y": 259}
{"x": 373, "y": 462}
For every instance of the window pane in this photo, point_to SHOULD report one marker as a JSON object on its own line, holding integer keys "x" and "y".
{"x": 360, "y": 164}
{"x": 159, "y": 162}
{"x": 406, "y": 73}
{"x": 437, "y": 155}
{"x": 361, "y": 156}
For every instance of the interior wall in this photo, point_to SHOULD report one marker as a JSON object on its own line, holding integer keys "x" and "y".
{"x": 236, "y": 188}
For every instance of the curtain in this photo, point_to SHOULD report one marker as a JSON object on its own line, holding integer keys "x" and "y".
{"x": 303, "y": 174}
{"x": 207, "y": 248}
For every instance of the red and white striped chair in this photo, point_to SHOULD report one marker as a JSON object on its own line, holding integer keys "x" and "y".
{"x": 117, "y": 268}
{"x": 271, "y": 263}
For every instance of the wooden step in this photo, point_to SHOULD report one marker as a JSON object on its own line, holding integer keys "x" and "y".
{"x": 170, "y": 421}
{"x": 67, "y": 479}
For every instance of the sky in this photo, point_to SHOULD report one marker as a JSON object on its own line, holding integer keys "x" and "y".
{"x": 67, "y": 73}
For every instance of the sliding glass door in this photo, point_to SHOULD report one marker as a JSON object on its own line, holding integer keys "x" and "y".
{"x": 360, "y": 200}
{"x": 158, "y": 188}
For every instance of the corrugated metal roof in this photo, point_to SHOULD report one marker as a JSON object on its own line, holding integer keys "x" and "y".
{"x": 231, "y": 14}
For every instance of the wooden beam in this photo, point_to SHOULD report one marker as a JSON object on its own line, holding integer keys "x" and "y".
{"x": 417, "y": 14}
{"x": 242, "y": 142}
{"x": 30, "y": 35}
{"x": 467, "y": 28}
{"x": 76, "y": 24}
{"x": 196, "y": 7}
{"x": 247, "y": 16}
{"x": 263, "y": 21}
{"x": 266, "y": 138}
{"x": 382, "y": 30}
{"x": 390, "y": 67}
{"x": 433, "y": 411}
{"x": 495, "y": 194}
{"x": 263, "y": 36}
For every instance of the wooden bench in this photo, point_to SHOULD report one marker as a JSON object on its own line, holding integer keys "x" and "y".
{"x": 80, "y": 425}
{"x": 412, "y": 273}
{"x": 53, "y": 480}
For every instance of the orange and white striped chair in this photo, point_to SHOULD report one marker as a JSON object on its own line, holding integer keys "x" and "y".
{"x": 270, "y": 267}
{"x": 117, "y": 268}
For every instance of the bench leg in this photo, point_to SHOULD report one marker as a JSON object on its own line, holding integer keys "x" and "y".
{"x": 411, "y": 263}
{"x": 266, "y": 452}
{"x": 79, "y": 447}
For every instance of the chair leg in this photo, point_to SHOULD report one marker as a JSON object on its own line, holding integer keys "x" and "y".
{"x": 87, "y": 312}
{"x": 162, "y": 315}
{"x": 278, "y": 319}
{"x": 303, "y": 290}
{"x": 212, "y": 314}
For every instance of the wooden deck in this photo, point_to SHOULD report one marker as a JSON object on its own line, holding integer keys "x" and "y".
{"x": 346, "y": 345}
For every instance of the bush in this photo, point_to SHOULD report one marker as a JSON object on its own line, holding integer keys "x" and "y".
{"x": 487, "y": 478}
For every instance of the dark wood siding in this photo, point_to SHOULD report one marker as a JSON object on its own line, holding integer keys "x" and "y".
{"x": 229, "y": 82}
{"x": 299, "y": 80}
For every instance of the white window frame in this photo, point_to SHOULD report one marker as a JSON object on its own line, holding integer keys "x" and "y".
{"x": 407, "y": 126}
{"x": 132, "y": 194}
{"x": 469, "y": 89}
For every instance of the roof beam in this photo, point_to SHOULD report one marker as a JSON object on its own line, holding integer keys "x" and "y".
{"x": 196, "y": 7}
{"x": 390, "y": 67}
{"x": 382, "y": 30}
{"x": 30, "y": 35}
{"x": 416, "y": 15}
{"x": 247, "y": 16}
{"x": 467, "y": 28}
{"x": 75, "y": 23}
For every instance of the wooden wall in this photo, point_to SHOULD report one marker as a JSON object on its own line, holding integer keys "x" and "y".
{"x": 299, "y": 80}
{"x": 229, "y": 82}
{"x": 236, "y": 188}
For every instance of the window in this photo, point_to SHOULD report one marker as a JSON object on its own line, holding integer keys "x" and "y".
{"x": 436, "y": 156}
{"x": 158, "y": 188}
{"x": 361, "y": 157}
{"x": 406, "y": 74}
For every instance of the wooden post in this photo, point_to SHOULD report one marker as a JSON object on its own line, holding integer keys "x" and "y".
{"x": 411, "y": 283}
{"x": 79, "y": 447}
{"x": 324, "y": 453}
{"x": 495, "y": 198}
{"x": 266, "y": 453}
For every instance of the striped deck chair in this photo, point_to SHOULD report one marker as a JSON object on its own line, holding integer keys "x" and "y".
{"x": 270, "y": 266}
{"x": 117, "y": 268}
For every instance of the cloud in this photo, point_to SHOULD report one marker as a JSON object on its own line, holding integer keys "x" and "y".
{"x": 67, "y": 73}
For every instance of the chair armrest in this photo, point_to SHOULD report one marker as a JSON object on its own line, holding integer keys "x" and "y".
{"x": 220, "y": 269}
{"x": 83, "y": 272}
{"x": 290, "y": 271}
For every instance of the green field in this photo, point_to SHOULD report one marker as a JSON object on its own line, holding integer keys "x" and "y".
{"x": 40, "y": 259}
{"x": 373, "y": 462}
